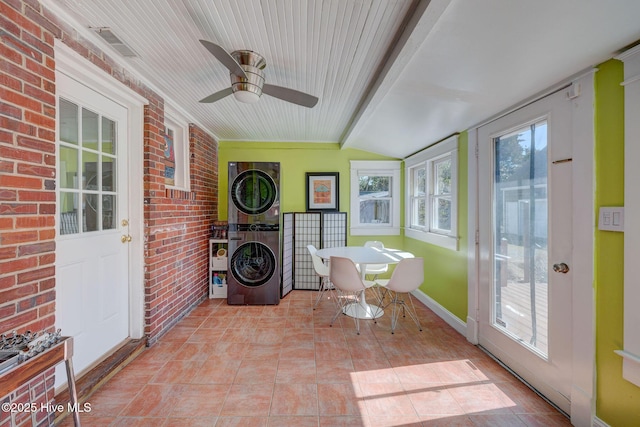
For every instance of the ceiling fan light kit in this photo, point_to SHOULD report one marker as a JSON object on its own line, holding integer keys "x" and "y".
{"x": 247, "y": 79}
{"x": 248, "y": 90}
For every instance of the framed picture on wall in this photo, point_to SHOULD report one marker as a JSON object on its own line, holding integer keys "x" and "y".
{"x": 322, "y": 191}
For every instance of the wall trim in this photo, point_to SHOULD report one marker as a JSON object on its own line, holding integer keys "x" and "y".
{"x": 451, "y": 319}
{"x": 597, "y": 422}
{"x": 473, "y": 255}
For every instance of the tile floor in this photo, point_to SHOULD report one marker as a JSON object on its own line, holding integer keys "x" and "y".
{"x": 284, "y": 366}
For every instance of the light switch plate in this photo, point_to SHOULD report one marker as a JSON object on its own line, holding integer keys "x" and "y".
{"x": 611, "y": 219}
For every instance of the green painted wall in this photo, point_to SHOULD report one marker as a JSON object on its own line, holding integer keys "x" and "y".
{"x": 445, "y": 270}
{"x": 445, "y": 278}
{"x": 295, "y": 160}
{"x": 618, "y": 401}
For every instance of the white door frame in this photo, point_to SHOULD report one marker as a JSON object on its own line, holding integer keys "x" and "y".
{"x": 82, "y": 70}
{"x": 580, "y": 89}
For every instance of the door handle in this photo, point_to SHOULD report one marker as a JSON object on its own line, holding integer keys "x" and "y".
{"x": 561, "y": 268}
{"x": 125, "y": 238}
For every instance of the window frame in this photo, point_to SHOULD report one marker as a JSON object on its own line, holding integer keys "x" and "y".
{"x": 180, "y": 127}
{"x": 425, "y": 160}
{"x": 387, "y": 168}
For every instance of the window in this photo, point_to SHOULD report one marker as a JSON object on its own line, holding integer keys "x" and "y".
{"x": 176, "y": 150}
{"x": 375, "y": 198}
{"x": 87, "y": 160}
{"x": 431, "y": 213}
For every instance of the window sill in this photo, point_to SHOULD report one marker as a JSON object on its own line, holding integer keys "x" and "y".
{"x": 179, "y": 193}
{"x": 630, "y": 366}
{"x": 374, "y": 231}
{"x": 447, "y": 242}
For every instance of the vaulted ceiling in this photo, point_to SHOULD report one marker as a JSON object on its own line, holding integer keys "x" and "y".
{"x": 392, "y": 76}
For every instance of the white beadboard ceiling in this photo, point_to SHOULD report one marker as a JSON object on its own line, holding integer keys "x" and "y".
{"x": 392, "y": 76}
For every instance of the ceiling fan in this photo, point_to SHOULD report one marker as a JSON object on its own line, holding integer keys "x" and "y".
{"x": 247, "y": 79}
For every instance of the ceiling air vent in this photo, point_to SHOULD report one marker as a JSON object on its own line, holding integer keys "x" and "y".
{"x": 115, "y": 42}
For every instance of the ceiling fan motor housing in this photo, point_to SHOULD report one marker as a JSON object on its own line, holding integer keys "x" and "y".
{"x": 248, "y": 90}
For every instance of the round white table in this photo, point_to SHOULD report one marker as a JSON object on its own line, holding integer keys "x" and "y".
{"x": 362, "y": 255}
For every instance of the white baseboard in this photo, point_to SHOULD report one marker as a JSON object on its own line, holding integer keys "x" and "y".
{"x": 442, "y": 312}
{"x": 597, "y": 422}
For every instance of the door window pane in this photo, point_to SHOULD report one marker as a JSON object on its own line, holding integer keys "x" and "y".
{"x": 108, "y": 173}
{"x": 89, "y": 129}
{"x": 86, "y": 173}
{"x": 520, "y": 233}
{"x": 68, "y": 167}
{"x": 68, "y": 122}
{"x": 108, "y": 209}
{"x": 90, "y": 177}
{"x": 68, "y": 213}
{"x": 90, "y": 212}
{"x": 108, "y": 136}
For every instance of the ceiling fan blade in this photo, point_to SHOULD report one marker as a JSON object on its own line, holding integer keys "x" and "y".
{"x": 217, "y": 96}
{"x": 224, "y": 57}
{"x": 290, "y": 95}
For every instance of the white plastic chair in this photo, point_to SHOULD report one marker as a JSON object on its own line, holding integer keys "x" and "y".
{"x": 375, "y": 269}
{"x": 406, "y": 278}
{"x": 347, "y": 280}
{"x": 321, "y": 270}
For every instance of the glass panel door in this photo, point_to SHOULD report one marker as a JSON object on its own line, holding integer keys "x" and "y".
{"x": 520, "y": 288}
{"x": 524, "y": 226}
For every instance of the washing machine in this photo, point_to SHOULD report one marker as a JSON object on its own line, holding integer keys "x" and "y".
{"x": 254, "y": 193}
{"x": 253, "y": 274}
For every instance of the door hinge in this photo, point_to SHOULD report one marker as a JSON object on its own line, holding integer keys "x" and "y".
{"x": 477, "y": 150}
{"x": 574, "y": 91}
{"x": 477, "y": 236}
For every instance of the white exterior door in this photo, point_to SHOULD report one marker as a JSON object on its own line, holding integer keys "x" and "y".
{"x": 92, "y": 271}
{"x": 525, "y": 238}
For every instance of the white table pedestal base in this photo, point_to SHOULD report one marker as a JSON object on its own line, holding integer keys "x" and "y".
{"x": 363, "y": 311}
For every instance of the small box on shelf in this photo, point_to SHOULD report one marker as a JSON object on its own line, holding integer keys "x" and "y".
{"x": 218, "y": 285}
{"x": 219, "y": 263}
{"x": 218, "y": 291}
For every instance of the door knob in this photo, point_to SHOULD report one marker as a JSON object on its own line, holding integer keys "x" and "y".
{"x": 561, "y": 268}
{"x": 125, "y": 238}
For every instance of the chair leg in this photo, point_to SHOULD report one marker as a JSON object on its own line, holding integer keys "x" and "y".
{"x": 412, "y": 312}
{"x": 356, "y": 299}
{"x": 406, "y": 309}
{"x": 339, "y": 310}
{"x": 380, "y": 296}
{"x": 395, "y": 313}
{"x": 321, "y": 291}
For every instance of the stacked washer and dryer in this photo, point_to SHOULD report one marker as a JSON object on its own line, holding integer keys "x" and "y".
{"x": 253, "y": 275}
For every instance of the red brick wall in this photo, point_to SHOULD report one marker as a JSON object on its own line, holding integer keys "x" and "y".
{"x": 27, "y": 172}
{"x": 177, "y": 223}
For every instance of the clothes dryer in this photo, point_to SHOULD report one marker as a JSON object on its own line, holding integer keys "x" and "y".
{"x": 253, "y": 274}
{"x": 254, "y": 193}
